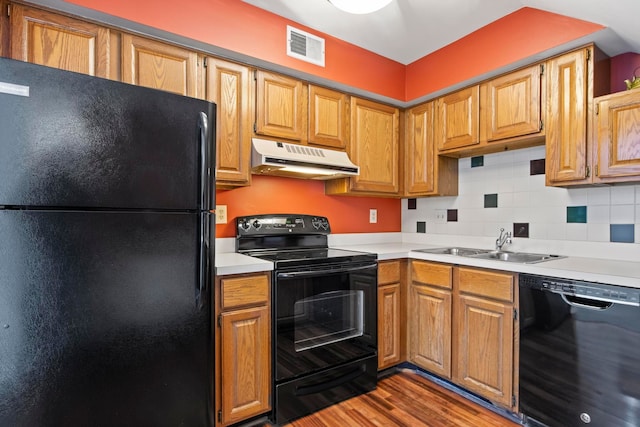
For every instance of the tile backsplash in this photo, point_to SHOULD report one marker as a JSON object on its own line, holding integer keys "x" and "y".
{"x": 507, "y": 188}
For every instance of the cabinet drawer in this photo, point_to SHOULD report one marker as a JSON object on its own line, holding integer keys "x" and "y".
{"x": 431, "y": 273}
{"x": 486, "y": 283}
{"x": 244, "y": 290}
{"x": 388, "y": 272}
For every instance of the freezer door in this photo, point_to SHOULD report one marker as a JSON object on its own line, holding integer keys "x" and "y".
{"x": 70, "y": 140}
{"x": 103, "y": 320}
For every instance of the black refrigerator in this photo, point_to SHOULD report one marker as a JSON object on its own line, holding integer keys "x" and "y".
{"x": 106, "y": 252}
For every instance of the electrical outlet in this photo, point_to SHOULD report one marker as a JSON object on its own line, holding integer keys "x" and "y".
{"x": 440, "y": 215}
{"x": 221, "y": 214}
{"x": 373, "y": 216}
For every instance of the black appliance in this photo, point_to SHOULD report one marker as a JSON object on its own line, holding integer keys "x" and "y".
{"x": 579, "y": 353}
{"x": 106, "y": 251}
{"x": 324, "y": 312}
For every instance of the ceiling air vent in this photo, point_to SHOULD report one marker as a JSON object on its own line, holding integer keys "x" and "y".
{"x": 305, "y": 46}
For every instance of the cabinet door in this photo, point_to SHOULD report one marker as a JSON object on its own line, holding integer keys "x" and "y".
{"x": 158, "y": 65}
{"x": 567, "y": 154}
{"x": 328, "y": 118}
{"x": 245, "y": 364}
{"x": 388, "y": 325}
{"x": 458, "y": 118}
{"x": 281, "y": 106}
{"x": 618, "y": 137}
{"x": 45, "y": 38}
{"x": 228, "y": 85}
{"x": 374, "y": 146}
{"x": 484, "y": 348}
{"x": 511, "y": 104}
{"x": 420, "y": 151}
{"x": 430, "y": 329}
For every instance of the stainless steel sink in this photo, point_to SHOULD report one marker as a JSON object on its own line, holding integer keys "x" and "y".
{"x": 517, "y": 257}
{"x": 453, "y": 251}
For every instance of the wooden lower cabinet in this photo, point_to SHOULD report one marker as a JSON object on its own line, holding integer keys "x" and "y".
{"x": 390, "y": 313}
{"x": 430, "y": 317}
{"x": 484, "y": 331}
{"x": 462, "y": 328}
{"x": 243, "y": 347}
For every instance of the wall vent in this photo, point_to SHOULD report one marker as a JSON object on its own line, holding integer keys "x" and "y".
{"x": 305, "y": 46}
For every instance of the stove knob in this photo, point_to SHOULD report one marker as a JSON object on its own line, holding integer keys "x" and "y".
{"x": 316, "y": 223}
{"x": 256, "y": 224}
{"x": 245, "y": 225}
{"x": 324, "y": 223}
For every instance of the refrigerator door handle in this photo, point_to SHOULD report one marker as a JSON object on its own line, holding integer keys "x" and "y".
{"x": 205, "y": 162}
{"x": 205, "y": 266}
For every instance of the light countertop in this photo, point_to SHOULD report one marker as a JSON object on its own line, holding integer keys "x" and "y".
{"x": 622, "y": 273}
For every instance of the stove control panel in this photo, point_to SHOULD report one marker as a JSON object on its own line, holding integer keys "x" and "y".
{"x": 279, "y": 224}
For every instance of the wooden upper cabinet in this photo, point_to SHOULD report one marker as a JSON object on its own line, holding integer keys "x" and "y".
{"x": 458, "y": 119}
{"x": 420, "y": 153}
{"x": 228, "y": 85}
{"x": 281, "y": 106}
{"x": 328, "y": 118}
{"x": 511, "y": 104}
{"x": 426, "y": 173}
{"x": 374, "y": 147}
{"x": 567, "y": 155}
{"x": 159, "y": 65}
{"x": 57, "y": 41}
{"x": 617, "y": 137}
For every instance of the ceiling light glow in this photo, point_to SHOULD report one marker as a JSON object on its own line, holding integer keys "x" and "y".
{"x": 360, "y": 7}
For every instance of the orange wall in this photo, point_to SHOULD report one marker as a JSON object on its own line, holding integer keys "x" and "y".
{"x": 239, "y": 27}
{"x": 519, "y": 35}
{"x": 270, "y": 194}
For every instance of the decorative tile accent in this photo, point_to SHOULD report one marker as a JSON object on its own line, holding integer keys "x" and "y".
{"x": 537, "y": 167}
{"x": 421, "y": 227}
{"x": 521, "y": 229}
{"x": 622, "y": 233}
{"x": 452, "y": 215}
{"x": 490, "y": 200}
{"x": 576, "y": 214}
{"x": 477, "y": 161}
{"x": 411, "y": 203}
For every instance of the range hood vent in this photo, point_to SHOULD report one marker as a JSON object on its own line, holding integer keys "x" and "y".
{"x": 299, "y": 161}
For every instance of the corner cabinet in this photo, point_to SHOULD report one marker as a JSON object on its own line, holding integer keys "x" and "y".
{"x": 617, "y": 137}
{"x": 426, "y": 173}
{"x": 228, "y": 85}
{"x": 374, "y": 146}
{"x": 45, "y": 38}
{"x": 573, "y": 79}
{"x": 242, "y": 347}
{"x": 390, "y": 313}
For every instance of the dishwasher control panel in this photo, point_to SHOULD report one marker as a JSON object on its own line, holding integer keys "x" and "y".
{"x": 581, "y": 289}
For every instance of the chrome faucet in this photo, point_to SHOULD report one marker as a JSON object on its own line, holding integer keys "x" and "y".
{"x": 503, "y": 239}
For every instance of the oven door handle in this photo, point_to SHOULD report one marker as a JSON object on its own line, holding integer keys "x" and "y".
{"x": 323, "y": 271}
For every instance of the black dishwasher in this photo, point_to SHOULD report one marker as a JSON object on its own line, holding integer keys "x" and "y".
{"x": 579, "y": 353}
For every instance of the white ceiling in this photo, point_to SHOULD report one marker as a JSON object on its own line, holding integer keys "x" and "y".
{"x": 407, "y": 30}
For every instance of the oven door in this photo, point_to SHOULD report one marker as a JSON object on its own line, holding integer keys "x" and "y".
{"x": 325, "y": 316}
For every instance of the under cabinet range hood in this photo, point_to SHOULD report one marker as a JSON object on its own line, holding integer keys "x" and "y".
{"x": 299, "y": 161}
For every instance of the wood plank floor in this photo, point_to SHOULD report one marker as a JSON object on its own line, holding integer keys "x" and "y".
{"x": 405, "y": 399}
